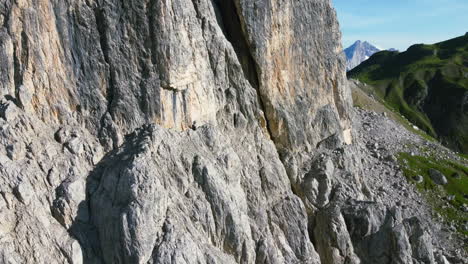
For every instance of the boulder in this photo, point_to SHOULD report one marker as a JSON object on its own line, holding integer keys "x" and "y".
{"x": 437, "y": 177}
{"x": 418, "y": 178}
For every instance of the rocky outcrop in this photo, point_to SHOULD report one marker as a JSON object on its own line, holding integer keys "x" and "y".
{"x": 43, "y": 182}
{"x": 155, "y": 131}
{"x": 383, "y": 236}
{"x": 193, "y": 197}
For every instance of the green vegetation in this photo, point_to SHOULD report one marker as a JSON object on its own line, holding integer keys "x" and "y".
{"x": 465, "y": 156}
{"x": 428, "y": 84}
{"x": 436, "y": 194}
{"x": 361, "y": 98}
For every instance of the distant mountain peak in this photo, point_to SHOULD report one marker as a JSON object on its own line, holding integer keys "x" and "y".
{"x": 359, "y": 52}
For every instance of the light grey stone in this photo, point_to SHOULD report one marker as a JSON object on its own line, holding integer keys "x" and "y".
{"x": 75, "y": 145}
{"x": 24, "y": 192}
{"x": 418, "y": 178}
{"x": 16, "y": 151}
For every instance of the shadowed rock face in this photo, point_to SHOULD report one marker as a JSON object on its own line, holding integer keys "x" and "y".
{"x": 184, "y": 131}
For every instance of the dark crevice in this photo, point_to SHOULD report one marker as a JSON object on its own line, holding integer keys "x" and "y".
{"x": 145, "y": 95}
{"x": 19, "y": 65}
{"x": 106, "y": 128}
{"x": 195, "y": 6}
{"x": 233, "y": 32}
{"x": 184, "y": 107}
{"x": 310, "y": 230}
{"x": 267, "y": 125}
{"x": 295, "y": 189}
{"x": 150, "y": 12}
{"x": 17, "y": 76}
{"x": 174, "y": 107}
{"x": 102, "y": 27}
{"x": 229, "y": 20}
{"x": 310, "y": 217}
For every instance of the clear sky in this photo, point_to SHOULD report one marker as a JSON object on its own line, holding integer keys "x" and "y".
{"x": 401, "y": 23}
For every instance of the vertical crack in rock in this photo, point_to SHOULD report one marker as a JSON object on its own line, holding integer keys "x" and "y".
{"x": 102, "y": 27}
{"x": 233, "y": 32}
{"x": 232, "y": 28}
{"x": 20, "y": 62}
{"x": 16, "y": 73}
{"x": 150, "y": 11}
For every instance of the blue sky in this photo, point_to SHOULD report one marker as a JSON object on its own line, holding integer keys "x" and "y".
{"x": 401, "y": 23}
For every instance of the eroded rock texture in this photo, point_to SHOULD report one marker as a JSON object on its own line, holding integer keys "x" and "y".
{"x": 181, "y": 131}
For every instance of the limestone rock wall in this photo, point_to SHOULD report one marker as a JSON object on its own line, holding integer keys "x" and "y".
{"x": 119, "y": 64}
{"x": 175, "y": 131}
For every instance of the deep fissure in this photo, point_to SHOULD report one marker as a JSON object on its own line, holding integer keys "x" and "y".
{"x": 99, "y": 14}
{"x": 233, "y": 32}
{"x": 232, "y": 28}
{"x": 19, "y": 65}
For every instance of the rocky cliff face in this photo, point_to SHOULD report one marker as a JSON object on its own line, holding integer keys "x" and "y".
{"x": 155, "y": 131}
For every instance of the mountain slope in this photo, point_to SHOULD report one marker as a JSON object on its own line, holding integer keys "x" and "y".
{"x": 428, "y": 84}
{"x": 358, "y": 52}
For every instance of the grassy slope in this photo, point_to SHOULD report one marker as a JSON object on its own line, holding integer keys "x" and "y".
{"x": 417, "y": 165}
{"x": 426, "y": 84}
